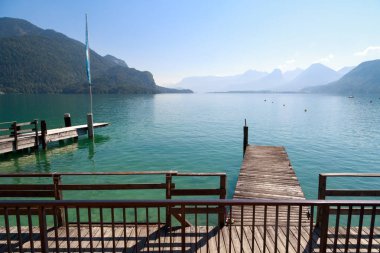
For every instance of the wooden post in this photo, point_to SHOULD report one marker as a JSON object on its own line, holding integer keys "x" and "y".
{"x": 43, "y": 232}
{"x": 90, "y": 125}
{"x": 245, "y": 139}
{"x": 35, "y": 122}
{"x": 58, "y": 196}
{"x": 324, "y": 225}
{"x": 67, "y": 119}
{"x": 168, "y": 196}
{"x": 43, "y": 134}
{"x": 321, "y": 196}
{"x": 14, "y": 128}
{"x": 222, "y": 210}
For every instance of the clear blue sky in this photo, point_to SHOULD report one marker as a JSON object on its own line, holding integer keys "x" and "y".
{"x": 175, "y": 39}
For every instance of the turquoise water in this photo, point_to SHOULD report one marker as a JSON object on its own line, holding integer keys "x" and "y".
{"x": 202, "y": 133}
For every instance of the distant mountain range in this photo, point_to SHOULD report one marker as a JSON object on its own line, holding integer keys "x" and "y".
{"x": 364, "y": 79}
{"x": 34, "y": 60}
{"x": 276, "y": 81}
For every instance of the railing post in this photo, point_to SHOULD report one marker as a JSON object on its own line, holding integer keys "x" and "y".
{"x": 324, "y": 225}
{"x": 245, "y": 139}
{"x": 58, "y": 196}
{"x": 183, "y": 228}
{"x": 321, "y": 196}
{"x": 43, "y": 232}
{"x": 222, "y": 209}
{"x": 43, "y": 134}
{"x": 168, "y": 196}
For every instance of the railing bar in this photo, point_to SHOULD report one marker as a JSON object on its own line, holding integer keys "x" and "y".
{"x": 136, "y": 239}
{"x": 196, "y": 229}
{"x": 113, "y": 229}
{"x": 230, "y": 232}
{"x": 276, "y": 230}
{"x": 43, "y": 229}
{"x": 253, "y": 227}
{"x": 360, "y": 229}
{"x": 6, "y": 220}
{"x": 311, "y": 228}
{"x": 67, "y": 229}
{"x": 241, "y": 228}
{"x": 147, "y": 227}
{"x": 78, "y": 229}
{"x": 337, "y": 222}
{"x": 372, "y": 226}
{"x": 90, "y": 229}
{"x": 170, "y": 234}
{"x": 56, "y": 228}
{"x": 30, "y": 225}
{"x": 265, "y": 229}
{"x": 101, "y": 228}
{"x": 19, "y": 229}
{"x": 287, "y": 229}
{"x": 159, "y": 229}
{"x": 219, "y": 229}
{"x": 348, "y": 229}
{"x": 299, "y": 229}
{"x": 125, "y": 227}
{"x": 207, "y": 231}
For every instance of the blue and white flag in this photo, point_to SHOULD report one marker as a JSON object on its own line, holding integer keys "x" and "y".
{"x": 88, "y": 56}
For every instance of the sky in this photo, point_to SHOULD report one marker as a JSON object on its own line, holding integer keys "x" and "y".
{"x": 176, "y": 39}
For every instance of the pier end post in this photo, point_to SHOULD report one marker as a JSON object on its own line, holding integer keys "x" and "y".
{"x": 90, "y": 125}
{"x": 245, "y": 139}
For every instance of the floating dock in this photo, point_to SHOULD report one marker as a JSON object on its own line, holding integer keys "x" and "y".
{"x": 20, "y": 136}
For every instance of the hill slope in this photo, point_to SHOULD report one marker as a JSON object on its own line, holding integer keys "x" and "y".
{"x": 33, "y": 60}
{"x": 363, "y": 79}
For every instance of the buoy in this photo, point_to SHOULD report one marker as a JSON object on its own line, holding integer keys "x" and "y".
{"x": 370, "y": 101}
{"x": 283, "y": 105}
{"x": 266, "y": 100}
{"x": 305, "y": 110}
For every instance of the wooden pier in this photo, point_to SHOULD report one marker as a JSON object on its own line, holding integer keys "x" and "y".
{"x": 19, "y": 136}
{"x": 266, "y": 173}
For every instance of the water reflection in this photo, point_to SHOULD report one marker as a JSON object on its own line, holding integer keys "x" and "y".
{"x": 41, "y": 160}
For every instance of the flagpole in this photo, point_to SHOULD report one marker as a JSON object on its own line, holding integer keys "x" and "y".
{"x": 90, "y": 122}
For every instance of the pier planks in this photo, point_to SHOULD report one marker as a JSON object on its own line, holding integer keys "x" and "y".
{"x": 266, "y": 173}
{"x": 28, "y": 140}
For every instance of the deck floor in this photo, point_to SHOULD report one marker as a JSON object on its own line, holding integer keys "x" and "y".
{"x": 200, "y": 239}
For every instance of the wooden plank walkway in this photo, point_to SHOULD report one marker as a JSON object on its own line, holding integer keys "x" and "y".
{"x": 266, "y": 173}
{"x": 28, "y": 140}
{"x": 200, "y": 239}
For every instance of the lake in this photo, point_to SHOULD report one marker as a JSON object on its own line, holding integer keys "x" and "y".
{"x": 202, "y": 133}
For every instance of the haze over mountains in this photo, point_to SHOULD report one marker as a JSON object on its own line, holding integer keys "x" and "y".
{"x": 34, "y": 60}
{"x": 276, "y": 81}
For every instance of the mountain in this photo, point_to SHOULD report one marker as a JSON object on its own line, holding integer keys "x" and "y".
{"x": 292, "y": 74}
{"x": 364, "y": 79}
{"x": 345, "y": 70}
{"x": 34, "y": 60}
{"x": 218, "y": 83}
{"x": 266, "y": 83}
{"x": 316, "y": 74}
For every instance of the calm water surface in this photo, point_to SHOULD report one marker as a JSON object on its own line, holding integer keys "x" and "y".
{"x": 202, "y": 133}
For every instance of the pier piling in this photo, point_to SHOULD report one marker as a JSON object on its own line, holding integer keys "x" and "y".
{"x": 67, "y": 119}
{"x": 245, "y": 139}
{"x": 90, "y": 125}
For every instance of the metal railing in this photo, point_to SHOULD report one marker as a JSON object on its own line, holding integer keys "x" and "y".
{"x": 134, "y": 226}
